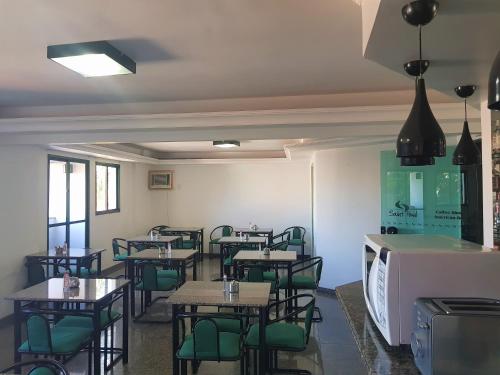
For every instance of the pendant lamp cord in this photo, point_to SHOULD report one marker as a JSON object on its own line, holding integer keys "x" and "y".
{"x": 420, "y": 49}
{"x": 465, "y": 105}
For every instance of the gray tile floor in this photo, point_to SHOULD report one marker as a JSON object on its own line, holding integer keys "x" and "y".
{"x": 331, "y": 349}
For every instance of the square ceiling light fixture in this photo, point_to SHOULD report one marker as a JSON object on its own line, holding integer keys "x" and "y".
{"x": 92, "y": 59}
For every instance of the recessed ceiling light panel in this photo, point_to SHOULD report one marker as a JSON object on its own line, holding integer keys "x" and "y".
{"x": 226, "y": 144}
{"x": 92, "y": 59}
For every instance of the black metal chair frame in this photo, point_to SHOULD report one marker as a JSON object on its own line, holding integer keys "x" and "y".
{"x": 313, "y": 262}
{"x": 117, "y": 252}
{"x": 210, "y": 246}
{"x": 290, "y": 316}
{"x": 199, "y": 317}
{"x": 303, "y": 234}
{"x": 55, "y": 366}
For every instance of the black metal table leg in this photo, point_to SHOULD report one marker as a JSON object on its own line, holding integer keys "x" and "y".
{"x": 97, "y": 340}
{"x": 183, "y": 270}
{"x": 125, "y": 324}
{"x": 262, "y": 341}
{"x": 78, "y": 266}
{"x": 131, "y": 275}
{"x": 194, "y": 269}
{"x": 221, "y": 260}
{"x": 99, "y": 264}
{"x": 175, "y": 339}
{"x": 289, "y": 288}
{"x": 17, "y": 331}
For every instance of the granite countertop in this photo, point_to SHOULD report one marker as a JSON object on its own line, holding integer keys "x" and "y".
{"x": 379, "y": 357}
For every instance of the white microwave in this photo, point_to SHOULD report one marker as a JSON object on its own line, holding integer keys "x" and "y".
{"x": 399, "y": 268}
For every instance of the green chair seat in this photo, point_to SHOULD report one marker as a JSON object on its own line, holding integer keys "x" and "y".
{"x": 296, "y": 242}
{"x": 298, "y": 282}
{"x": 279, "y": 335}
{"x": 229, "y": 344}
{"x": 273, "y": 283}
{"x": 187, "y": 244}
{"x": 42, "y": 371}
{"x": 84, "y": 272}
{"x": 269, "y": 276}
{"x": 120, "y": 257}
{"x": 214, "y": 241}
{"x": 171, "y": 274}
{"x": 164, "y": 284}
{"x": 228, "y": 325}
{"x": 86, "y": 322}
{"x": 65, "y": 340}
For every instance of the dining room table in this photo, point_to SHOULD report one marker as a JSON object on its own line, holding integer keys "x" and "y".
{"x": 73, "y": 256}
{"x": 265, "y": 232}
{"x": 176, "y": 258}
{"x": 274, "y": 259}
{"x": 151, "y": 241}
{"x": 179, "y": 231}
{"x": 48, "y": 297}
{"x": 225, "y": 241}
{"x": 211, "y": 293}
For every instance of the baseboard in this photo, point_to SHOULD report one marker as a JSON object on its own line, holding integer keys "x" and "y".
{"x": 328, "y": 291}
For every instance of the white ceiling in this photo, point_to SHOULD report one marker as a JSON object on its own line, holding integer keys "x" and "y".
{"x": 207, "y": 146}
{"x": 189, "y": 50}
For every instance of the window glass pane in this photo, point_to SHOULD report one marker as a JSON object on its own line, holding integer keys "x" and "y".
{"x": 100, "y": 176}
{"x": 57, "y": 192}
{"x": 77, "y": 235}
{"x": 57, "y": 236}
{"x": 77, "y": 191}
{"x": 112, "y": 192}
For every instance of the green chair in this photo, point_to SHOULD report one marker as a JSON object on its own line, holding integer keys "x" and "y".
{"x": 216, "y": 234}
{"x": 297, "y": 235}
{"x": 40, "y": 367}
{"x": 151, "y": 282}
{"x": 256, "y": 274}
{"x": 120, "y": 251}
{"x": 86, "y": 270}
{"x": 59, "y": 342}
{"x": 230, "y": 252}
{"x": 305, "y": 282}
{"x": 107, "y": 318}
{"x": 190, "y": 243}
{"x": 284, "y": 333}
{"x": 36, "y": 273}
{"x": 208, "y": 342}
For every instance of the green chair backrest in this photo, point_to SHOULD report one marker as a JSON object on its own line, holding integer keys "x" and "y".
{"x": 36, "y": 273}
{"x": 116, "y": 247}
{"x": 38, "y": 332}
{"x": 227, "y": 230}
{"x": 319, "y": 269}
{"x": 42, "y": 371}
{"x": 206, "y": 340}
{"x": 296, "y": 233}
{"x": 309, "y": 318}
{"x": 255, "y": 275}
{"x": 149, "y": 277}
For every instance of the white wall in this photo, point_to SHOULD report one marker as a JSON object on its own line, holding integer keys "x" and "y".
{"x": 346, "y": 207}
{"x": 23, "y": 212}
{"x": 275, "y": 194}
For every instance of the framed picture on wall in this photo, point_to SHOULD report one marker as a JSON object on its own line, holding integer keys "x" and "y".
{"x": 161, "y": 179}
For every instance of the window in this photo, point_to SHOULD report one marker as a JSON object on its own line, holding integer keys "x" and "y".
{"x": 107, "y": 188}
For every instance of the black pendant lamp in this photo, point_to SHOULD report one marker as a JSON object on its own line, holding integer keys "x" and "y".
{"x": 421, "y": 138}
{"x": 466, "y": 152}
{"x": 494, "y": 85}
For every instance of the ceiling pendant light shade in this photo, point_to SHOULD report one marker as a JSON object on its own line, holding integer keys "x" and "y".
{"x": 494, "y": 85}
{"x": 466, "y": 152}
{"x": 421, "y": 138}
{"x": 226, "y": 144}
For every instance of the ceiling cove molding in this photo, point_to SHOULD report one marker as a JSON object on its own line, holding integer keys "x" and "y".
{"x": 369, "y": 114}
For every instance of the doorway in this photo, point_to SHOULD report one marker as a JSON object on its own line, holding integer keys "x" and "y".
{"x": 68, "y": 202}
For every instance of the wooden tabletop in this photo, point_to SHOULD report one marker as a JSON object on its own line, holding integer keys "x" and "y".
{"x": 90, "y": 290}
{"x": 182, "y": 229}
{"x": 258, "y": 230}
{"x": 73, "y": 252}
{"x": 160, "y": 239}
{"x": 275, "y": 256}
{"x": 154, "y": 254}
{"x": 211, "y": 293}
{"x": 237, "y": 239}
